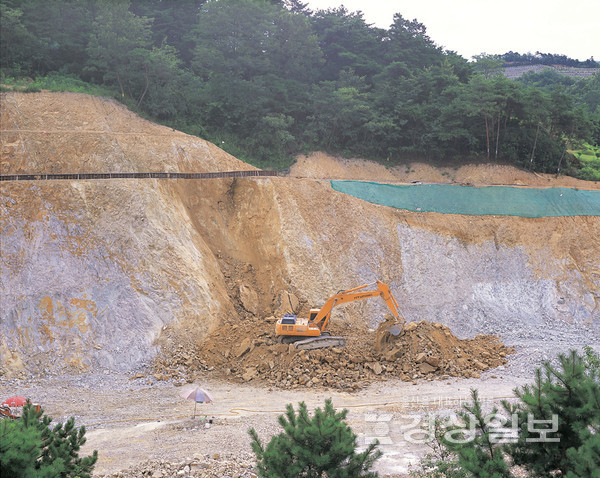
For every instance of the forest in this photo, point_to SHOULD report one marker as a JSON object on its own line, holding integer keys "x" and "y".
{"x": 267, "y": 80}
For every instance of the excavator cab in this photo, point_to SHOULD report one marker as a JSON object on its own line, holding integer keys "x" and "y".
{"x": 312, "y": 316}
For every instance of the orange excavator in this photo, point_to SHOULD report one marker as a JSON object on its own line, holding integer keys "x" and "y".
{"x": 312, "y": 333}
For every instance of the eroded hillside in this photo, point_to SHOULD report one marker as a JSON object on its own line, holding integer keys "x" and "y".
{"x": 100, "y": 274}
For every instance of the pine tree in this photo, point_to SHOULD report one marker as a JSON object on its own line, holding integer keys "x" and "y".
{"x": 558, "y": 427}
{"x": 19, "y": 449}
{"x": 314, "y": 447}
{"x": 559, "y": 420}
{"x": 29, "y": 447}
{"x": 478, "y": 454}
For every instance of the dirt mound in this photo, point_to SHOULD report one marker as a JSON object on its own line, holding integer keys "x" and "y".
{"x": 248, "y": 351}
{"x": 324, "y": 166}
{"x": 206, "y": 466}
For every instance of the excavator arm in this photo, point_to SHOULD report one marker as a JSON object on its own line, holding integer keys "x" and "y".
{"x": 322, "y": 318}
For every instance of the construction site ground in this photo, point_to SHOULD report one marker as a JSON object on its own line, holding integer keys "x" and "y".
{"x": 116, "y": 294}
{"x": 141, "y": 424}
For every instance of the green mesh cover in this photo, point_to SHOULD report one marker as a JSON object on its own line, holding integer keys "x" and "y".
{"x": 489, "y": 200}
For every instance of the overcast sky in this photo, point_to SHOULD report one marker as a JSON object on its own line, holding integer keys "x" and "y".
{"x": 471, "y": 27}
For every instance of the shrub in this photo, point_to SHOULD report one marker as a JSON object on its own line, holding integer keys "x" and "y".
{"x": 440, "y": 462}
{"x": 313, "y": 447}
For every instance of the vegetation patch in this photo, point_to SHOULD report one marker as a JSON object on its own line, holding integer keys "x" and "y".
{"x": 57, "y": 83}
{"x": 587, "y": 158}
{"x": 283, "y": 79}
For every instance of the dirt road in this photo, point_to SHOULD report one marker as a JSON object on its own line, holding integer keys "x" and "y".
{"x": 130, "y": 420}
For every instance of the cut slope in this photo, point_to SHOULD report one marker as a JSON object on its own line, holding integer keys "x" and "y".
{"x": 102, "y": 274}
{"x": 70, "y": 132}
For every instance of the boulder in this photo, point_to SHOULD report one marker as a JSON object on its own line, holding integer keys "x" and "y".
{"x": 433, "y": 361}
{"x": 377, "y": 368}
{"x": 426, "y": 368}
{"x": 249, "y": 374}
{"x": 286, "y": 303}
{"x": 249, "y": 298}
{"x": 244, "y": 347}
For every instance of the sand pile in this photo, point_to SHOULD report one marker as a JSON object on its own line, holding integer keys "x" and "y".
{"x": 248, "y": 351}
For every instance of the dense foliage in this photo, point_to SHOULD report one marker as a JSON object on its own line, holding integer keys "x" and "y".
{"x": 554, "y": 428}
{"x": 29, "y": 447}
{"x": 269, "y": 79}
{"x": 321, "y": 446}
{"x": 548, "y": 59}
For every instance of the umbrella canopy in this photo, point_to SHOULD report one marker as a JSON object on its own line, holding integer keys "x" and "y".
{"x": 15, "y": 401}
{"x": 198, "y": 395}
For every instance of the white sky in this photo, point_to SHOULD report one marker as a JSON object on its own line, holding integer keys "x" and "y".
{"x": 471, "y": 27}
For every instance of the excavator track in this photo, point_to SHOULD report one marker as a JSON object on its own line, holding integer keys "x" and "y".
{"x": 320, "y": 343}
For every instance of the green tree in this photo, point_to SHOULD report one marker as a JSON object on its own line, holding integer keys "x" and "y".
{"x": 20, "y": 447}
{"x": 477, "y": 452}
{"x": 232, "y": 38}
{"x": 408, "y": 42}
{"x": 341, "y": 116}
{"x": 591, "y": 361}
{"x": 294, "y": 52}
{"x": 118, "y": 48}
{"x": 172, "y": 23}
{"x": 16, "y": 42}
{"x": 347, "y": 43}
{"x": 30, "y": 447}
{"x": 165, "y": 84}
{"x": 61, "y": 29}
{"x": 556, "y": 421}
{"x": 565, "y": 401}
{"x": 254, "y": 60}
{"x": 489, "y": 66}
{"x": 314, "y": 447}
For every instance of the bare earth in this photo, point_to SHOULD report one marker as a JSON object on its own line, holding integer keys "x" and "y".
{"x": 98, "y": 278}
{"x": 130, "y": 421}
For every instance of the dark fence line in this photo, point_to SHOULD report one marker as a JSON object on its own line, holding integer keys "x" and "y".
{"x": 221, "y": 174}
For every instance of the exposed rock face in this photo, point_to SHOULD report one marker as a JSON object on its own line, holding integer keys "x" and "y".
{"x": 103, "y": 273}
{"x": 478, "y": 288}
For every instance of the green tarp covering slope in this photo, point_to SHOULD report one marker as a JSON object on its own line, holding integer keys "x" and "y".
{"x": 489, "y": 200}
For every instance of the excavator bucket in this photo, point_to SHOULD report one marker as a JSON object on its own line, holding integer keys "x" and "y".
{"x": 395, "y": 330}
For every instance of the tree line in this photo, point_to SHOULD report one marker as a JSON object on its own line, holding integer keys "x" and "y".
{"x": 267, "y": 80}
{"x": 549, "y": 59}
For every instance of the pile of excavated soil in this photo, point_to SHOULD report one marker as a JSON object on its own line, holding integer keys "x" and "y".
{"x": 247, "y": 351}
